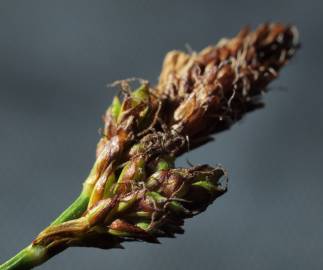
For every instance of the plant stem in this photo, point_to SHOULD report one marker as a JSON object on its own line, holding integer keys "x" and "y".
{"x": 28, "y": 258}
{"x": 32, "y": 255}
{"x": 75, "y": 210}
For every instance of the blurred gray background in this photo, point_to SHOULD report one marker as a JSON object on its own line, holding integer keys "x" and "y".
{"x": 56, "y": 58}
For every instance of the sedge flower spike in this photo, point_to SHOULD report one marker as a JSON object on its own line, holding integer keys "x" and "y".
{"x": 134, "y": 192}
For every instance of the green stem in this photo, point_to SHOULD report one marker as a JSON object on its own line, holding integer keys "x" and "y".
{"x": 28, "y": 258}
{"x": 75, "y": 210}
{"x": 35, "y": 255}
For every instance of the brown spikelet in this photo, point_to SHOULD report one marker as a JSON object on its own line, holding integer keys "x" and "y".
{"x": 208, "y": 91}
{"x": 136, "y": 193}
